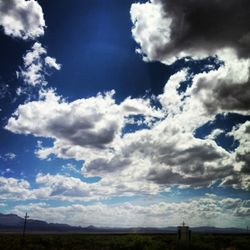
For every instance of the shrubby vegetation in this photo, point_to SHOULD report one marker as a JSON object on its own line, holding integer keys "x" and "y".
{"x": 121, "y": 242}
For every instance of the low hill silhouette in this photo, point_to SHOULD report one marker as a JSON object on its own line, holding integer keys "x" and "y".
{"x": 14, "y": 223}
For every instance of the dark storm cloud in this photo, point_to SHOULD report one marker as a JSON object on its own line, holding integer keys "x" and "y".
{"x": 207, "y": 26}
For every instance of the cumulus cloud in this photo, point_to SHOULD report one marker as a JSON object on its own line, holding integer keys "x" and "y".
{"x": 200, "y": 211}
{"x": 199, "y": 29}
{"x": 151, "y": 29}
{"x": 22, "y": 19}
{"x": 61, "y": 187}
{"x": 169, "y": 157}
{"x": 226, "y": 89}
{"x": 241, "y": 133}
{"x": 174, "y": 155}
{"x": 237, "y": 181}
{"x": 36, "y": 64}
{"x": 11, "y": 188}
{"x": 56, "y": 187}
{"x": 65, "y": 188}
{"x": 190, "y": 28}
{"x": 51, "y": 62}
{"x": 102, "y": 166}
{"x": 206, "y": 211}
{"x": 67, "y": 121}
{"x": 230, "y": 203}
{"x": 166, "y": 152}
{"x": 94, "y": 122}
{"x": 243, "y": 212}
{"x": 151, "y": 159}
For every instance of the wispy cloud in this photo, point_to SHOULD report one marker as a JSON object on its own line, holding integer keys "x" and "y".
{"x": 8, "y": 156}
{"x": 36, "y": 64}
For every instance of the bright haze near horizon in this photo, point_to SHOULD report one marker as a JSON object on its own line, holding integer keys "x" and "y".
{"x": 126, "y": 113}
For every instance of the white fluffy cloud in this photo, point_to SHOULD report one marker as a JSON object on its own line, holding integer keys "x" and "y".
{"x": 11, "y": 188}
{"x": 151, "y": 28}
{"x": 36, "y": 64}
{"x": 241, "y": 134}
{"x": 197, "y": 212}
{"x": 163, "y": 154}
{"x": 60, "y": 187}
{"x": 152, "y": 159}
{"x": 64, "y": 188}
{"x": 51, "y": 62}
{"x": 86, "y": 124}
{"x": 22, "y": 19}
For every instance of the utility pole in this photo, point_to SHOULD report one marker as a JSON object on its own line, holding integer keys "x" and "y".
{"x": 24, "y": 225}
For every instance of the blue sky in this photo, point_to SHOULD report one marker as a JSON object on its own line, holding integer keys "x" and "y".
{"x": 123, "y": 108}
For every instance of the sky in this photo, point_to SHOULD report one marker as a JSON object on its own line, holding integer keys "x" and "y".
{"x": 126, "y": 113}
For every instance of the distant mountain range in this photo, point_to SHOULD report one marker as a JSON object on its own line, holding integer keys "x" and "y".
{"x": 14, "y": 223}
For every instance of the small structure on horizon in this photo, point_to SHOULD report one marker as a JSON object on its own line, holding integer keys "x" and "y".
{"x": 183, "y": 234}
{"x": 24, "y": 224}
